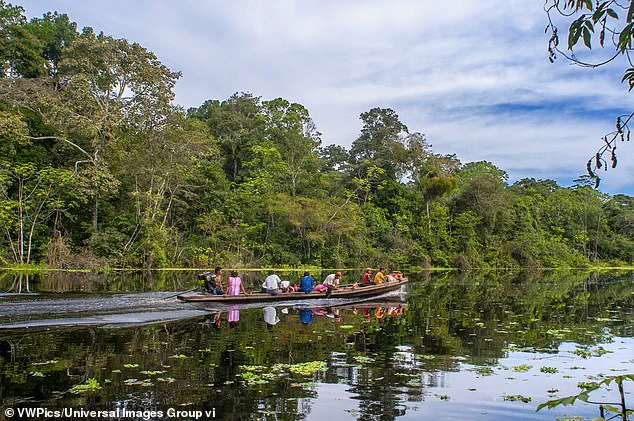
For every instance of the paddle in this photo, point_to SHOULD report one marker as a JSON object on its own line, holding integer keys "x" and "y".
{"x": 182, "y": 292}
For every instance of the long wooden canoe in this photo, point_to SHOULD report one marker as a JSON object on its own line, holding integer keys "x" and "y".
{"x": 344, "y": 291}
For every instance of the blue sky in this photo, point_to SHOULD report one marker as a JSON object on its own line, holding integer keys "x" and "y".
{"x": 472, "y": 76}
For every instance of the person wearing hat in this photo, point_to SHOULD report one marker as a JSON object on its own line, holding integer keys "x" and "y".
{"x": 332, "y": 280}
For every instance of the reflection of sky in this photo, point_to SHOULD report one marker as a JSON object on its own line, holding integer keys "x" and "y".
{"x": 336, "y": 401}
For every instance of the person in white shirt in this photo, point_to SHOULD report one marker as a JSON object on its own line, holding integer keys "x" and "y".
{"x": 271, "y": 284}
{"x": 332, "y": 280}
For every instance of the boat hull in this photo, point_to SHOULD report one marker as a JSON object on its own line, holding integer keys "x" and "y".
{"x": 344, "y": 291}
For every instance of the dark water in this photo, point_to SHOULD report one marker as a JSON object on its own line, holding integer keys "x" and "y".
{"x": 468, "y": 346}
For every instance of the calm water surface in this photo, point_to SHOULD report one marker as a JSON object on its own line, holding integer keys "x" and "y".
{"x": 469, "y": 346}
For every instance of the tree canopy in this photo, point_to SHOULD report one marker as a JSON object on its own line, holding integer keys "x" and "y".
{"x": 98, "y": 166}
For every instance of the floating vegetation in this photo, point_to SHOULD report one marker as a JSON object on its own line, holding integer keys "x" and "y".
{"x": 253, "y": 379}
{"x": 166, "y": 380}
{"x": 406, "y": 375}
{"x": 46, "y": 362}
{"x": 92, "y": 385}
{"x": 586, "y": 353}
{"x": 179, "y": 356}
{"x": 252, "y": 367}
{"x": 414, "y": 383}
{"x": 517, "y": 398}
{"x": 522, "y": 368}
{"x": 346, "y": 327}
{"x": 152, "y": 373}
{"x": 137, "y": 382}
{"x": 361, "y": 359}
{"x": 484, "y": 371}
{"x": 442, "y": 397}
{"x": 130, "y": 365}
{"x": 549, "y": 370}
{"x": 253, "y": 375}
{"x": 307, "y": 369}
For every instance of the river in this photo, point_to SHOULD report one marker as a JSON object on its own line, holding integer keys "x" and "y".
{"x": 481, "y": 346}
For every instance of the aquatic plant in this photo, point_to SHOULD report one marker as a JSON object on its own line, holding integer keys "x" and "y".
{"x": 307, "y": 369}
{"x": 484, "y": 371}
{"x": 516, "y": 398}
{"x": 522, "y": 368}
{"x": 362, "y": 359}
{"x": 92, "y": 385}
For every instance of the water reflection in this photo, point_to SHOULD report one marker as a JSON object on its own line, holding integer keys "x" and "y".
{"x": 456, "y": 348}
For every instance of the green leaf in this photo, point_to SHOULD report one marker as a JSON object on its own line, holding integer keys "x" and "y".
{"x": 587, "y": 37}
{"x": 612, "y": 14}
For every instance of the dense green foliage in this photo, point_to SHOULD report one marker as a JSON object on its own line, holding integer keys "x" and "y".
{"x": 97, "y": 166}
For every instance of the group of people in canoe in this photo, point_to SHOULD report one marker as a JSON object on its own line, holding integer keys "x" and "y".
{"x": 212, "y": 283}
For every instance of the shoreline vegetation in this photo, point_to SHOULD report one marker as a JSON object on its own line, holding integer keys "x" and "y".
{"x": 100, "y": 170}
{"x": 31, "y": 268}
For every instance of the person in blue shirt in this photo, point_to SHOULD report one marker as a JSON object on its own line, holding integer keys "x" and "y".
{"x": 306, "y": 283}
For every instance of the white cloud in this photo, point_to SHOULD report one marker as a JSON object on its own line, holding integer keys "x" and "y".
{"x": 471, "y": 75}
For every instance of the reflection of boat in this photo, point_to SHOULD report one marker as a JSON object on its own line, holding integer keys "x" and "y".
{"x": 370, "y": 303}
{"x": 344, "y": 291}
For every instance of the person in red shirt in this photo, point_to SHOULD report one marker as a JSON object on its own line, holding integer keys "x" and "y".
{"x": 367, "y": 280}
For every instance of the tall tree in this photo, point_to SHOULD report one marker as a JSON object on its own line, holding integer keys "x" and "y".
{"x": 294, "y": 134}
{"x": 20, "y": 50}
{"x": 109, "y": 86}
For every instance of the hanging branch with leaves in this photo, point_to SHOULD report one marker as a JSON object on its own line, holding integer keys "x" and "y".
{"x": 613, "y": 23}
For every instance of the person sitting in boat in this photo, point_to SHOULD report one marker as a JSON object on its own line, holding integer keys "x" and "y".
{"x": 285, "y": 286}
{"x": 331, "y": 282}
{"x": 306, "y": 283}
{"x": 271, "y": 284}
{"x": 380, "y": 276}
{"x": 397, "y": 275}
{"x": 367, "y": 280}
{"x": 235, "y": 284}
{"x": 213, "y": 283}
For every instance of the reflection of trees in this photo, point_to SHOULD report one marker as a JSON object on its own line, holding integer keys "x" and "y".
{"x": 19, "y": 283}
{"x": 478, "y": 315}
{"x": 481, "y": 314}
